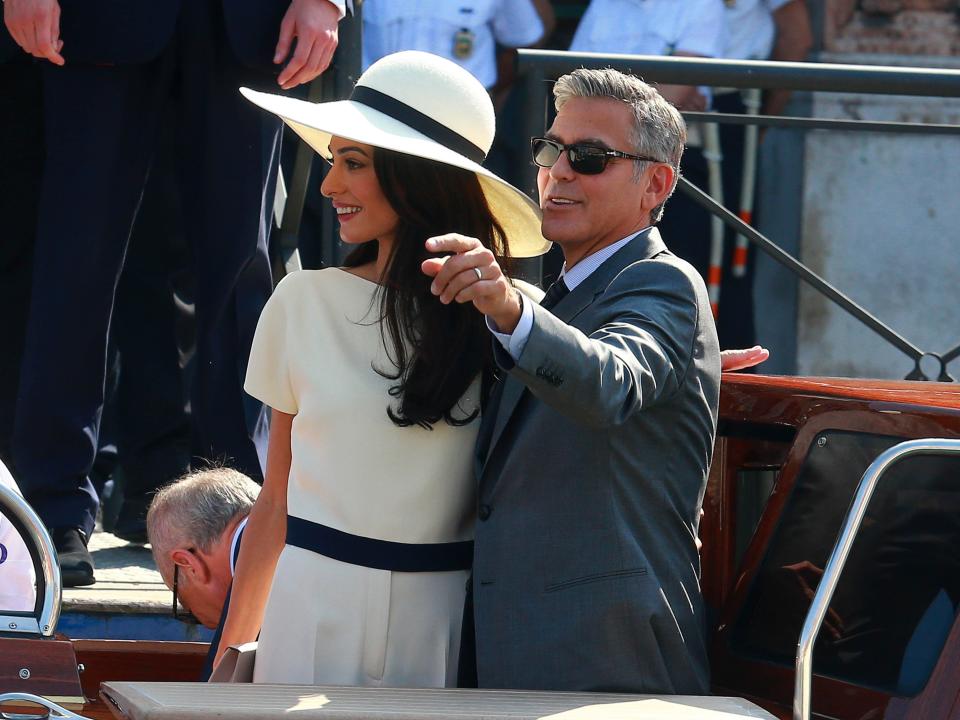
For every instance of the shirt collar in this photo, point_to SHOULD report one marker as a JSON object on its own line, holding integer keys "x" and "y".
{"x": 586, "y": 267}
{"x": 238, "y": 531}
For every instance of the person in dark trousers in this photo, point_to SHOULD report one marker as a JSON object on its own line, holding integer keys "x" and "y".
{"x": 112, "y": 69}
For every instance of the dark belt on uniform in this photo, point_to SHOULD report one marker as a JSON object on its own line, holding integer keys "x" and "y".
{"x": 378, "y": 554}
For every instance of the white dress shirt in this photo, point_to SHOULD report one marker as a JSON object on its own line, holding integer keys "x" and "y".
{"x": 434, "y": 26}
{"x": 515, "y": 342}
{"x": 751, "y": 29}
{"x": 237, "y": 532}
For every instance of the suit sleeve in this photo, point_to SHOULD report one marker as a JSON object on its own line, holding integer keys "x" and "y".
{"x": 638, "y": 355}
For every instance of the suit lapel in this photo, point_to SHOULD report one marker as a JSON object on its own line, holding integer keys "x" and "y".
{"x": 644, "y": 246}
{"x": 488, "y": 421}
{"x": 513, "y": 391}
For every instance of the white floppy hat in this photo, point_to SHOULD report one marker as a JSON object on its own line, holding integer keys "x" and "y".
{"x": 422, "y": 105}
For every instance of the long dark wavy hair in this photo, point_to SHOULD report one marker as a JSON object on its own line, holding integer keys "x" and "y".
{"x": 437, "y": 349}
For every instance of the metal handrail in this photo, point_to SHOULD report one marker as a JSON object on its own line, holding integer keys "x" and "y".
{"x": 838, "y": 558}
{"x": 802, "y": 123}
{"x": 764, "y": 74}
{"x": 800, "y": 270}
{"x": 44, "y": 556}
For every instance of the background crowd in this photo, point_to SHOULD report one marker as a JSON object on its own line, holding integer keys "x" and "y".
{"x": 137, "y": 195}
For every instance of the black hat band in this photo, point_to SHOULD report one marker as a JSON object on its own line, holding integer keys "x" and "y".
{"x": 418, "y": 121}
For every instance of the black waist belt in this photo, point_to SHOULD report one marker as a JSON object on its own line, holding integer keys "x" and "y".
{"x": 379, "y": 554}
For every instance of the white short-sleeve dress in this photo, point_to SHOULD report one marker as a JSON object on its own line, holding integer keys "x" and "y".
{"x": 353, "y": 470}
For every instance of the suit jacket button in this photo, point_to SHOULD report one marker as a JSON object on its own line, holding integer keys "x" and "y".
{"x": 484, "y": 512}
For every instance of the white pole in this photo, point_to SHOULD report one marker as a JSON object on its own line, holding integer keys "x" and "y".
{"x": 714, "y": 157}
{"x": 751, "y": 99}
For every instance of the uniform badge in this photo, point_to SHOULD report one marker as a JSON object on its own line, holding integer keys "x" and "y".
{"x": 730, "y": 3}
{"x": 463, "y": 41}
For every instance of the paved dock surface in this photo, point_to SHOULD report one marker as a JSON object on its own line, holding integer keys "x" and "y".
{"x": 127, "y": 580}
{"x": 129, "y": 600}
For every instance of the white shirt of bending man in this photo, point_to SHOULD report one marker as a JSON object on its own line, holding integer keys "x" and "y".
{"x": 18, "y": 591}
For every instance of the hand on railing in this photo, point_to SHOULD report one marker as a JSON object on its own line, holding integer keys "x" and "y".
{"x": 733, "y": 360}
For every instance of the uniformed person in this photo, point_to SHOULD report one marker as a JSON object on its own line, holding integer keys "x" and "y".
{"x": 694, "y": 28}
{"x": 465, "y": 31}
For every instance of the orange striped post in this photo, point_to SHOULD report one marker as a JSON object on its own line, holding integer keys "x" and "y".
{"x": 713, "y": 154}
{"x": 714, "y": 276}
{"x": 751, "y": 99}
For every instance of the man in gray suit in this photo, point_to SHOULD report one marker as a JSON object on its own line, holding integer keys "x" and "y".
{"x": 593, "y": 451}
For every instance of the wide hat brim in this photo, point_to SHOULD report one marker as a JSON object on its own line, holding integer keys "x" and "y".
{"x": 316, "y": 123}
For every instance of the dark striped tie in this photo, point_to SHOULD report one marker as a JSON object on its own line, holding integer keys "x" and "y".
{"x": 555, "y": 293}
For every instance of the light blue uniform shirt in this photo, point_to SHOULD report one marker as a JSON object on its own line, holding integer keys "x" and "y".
{"x": 750, "y": 28}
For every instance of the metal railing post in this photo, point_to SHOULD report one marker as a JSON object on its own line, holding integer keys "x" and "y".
{"x": 536, "y": 89}
{"x": 338, "y": 82}
{"x": 534, "y": 123}
{"x": 838, "y": 558}
{"x": 289, "y": 231}
{"x": 335, "y": 83}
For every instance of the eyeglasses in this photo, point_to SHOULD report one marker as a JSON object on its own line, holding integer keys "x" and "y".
{"x": 185, "y": 616}
{"x": 584, "y": 159}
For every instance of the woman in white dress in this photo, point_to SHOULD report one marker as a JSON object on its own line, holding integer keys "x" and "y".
{"x": 353, "y": 564}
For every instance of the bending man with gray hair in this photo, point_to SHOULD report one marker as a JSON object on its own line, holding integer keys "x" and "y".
{"x": 593, "y": 451}
{"x": 194, "y": 526}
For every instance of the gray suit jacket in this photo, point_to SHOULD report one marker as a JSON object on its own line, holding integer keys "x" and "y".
{"x": 591, "y": 475}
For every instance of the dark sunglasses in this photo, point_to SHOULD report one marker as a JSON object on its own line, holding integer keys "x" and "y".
{"x": 183, "y": 615}
{"x": 584, "y": 159}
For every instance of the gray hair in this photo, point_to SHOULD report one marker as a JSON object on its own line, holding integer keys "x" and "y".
{"x": 195, "y": 510}
{"x": 658, "y": 127}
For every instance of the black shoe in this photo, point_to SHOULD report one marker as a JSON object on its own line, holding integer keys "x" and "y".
{"x": 76, "y": 565}
{"x": 131, "y": 523}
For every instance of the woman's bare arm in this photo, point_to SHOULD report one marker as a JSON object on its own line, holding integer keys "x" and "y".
{"x": 263, "y": 539}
